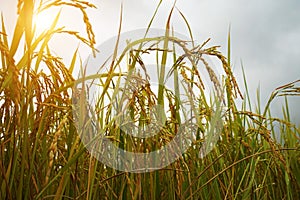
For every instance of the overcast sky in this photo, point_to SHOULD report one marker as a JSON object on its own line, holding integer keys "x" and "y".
{"x": 265, "y": 34}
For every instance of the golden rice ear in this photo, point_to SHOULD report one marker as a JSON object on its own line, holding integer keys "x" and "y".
{"x": 14, "y": 84}
{"x": 10, "y": 82}
{"x": 54, "y": 146}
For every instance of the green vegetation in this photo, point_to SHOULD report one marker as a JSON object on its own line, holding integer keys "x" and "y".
{"x": 41, "y": 152}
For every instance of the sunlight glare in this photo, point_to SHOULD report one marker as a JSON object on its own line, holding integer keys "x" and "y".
{"x": 43, "y": 21}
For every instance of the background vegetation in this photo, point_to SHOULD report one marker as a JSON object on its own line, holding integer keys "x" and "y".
{"x": 43, "y": 157}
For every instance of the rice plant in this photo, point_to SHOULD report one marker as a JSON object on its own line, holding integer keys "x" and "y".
{"x": 48, "y": 126}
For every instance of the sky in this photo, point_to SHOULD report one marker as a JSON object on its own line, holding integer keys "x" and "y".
{"x": 265, "y": 35}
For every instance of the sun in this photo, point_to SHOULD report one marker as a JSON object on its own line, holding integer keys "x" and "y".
{"x": 43, "y": 21}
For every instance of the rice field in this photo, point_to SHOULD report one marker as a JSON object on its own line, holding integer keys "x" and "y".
{"x": 56, "y": 144}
